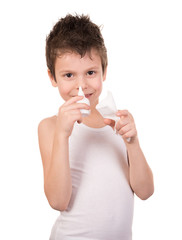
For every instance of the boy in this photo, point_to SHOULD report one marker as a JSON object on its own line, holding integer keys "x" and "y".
{"x": 90, "y": 173}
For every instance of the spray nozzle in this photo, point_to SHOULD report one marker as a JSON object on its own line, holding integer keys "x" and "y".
{"x": 80, "y": 92}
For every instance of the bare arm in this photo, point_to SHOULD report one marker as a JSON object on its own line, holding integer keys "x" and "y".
{"x": 141, "y": 177}
{"x": 54, "y": 153}
{"x": 54, "y": 148}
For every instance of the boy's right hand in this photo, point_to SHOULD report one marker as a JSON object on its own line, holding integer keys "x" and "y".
{"x": 68, "y": 114}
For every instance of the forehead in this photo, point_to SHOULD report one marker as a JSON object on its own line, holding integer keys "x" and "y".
{"x": 72, "y": 59}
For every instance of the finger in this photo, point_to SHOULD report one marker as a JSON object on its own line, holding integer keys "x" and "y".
{"x": 109, "y": 122}
{"x": 121, "y": 123}
{"x": 75, "y": 106}
{"x": 79, "y": 118}
{"x": 80, "y": 106}
{"x": 73, "y": 100}
{"x": 122, "y": 113}
{"x": 124, "y": 129}
{"x": 76, "y": 116}
{"x": 130, "y": 134}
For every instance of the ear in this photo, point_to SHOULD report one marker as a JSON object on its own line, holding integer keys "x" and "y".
{"x": 104, "y": 75}
{"x": 53, "y": 82}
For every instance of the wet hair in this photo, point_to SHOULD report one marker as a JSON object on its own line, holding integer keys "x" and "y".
{"x": 76, "y": 34}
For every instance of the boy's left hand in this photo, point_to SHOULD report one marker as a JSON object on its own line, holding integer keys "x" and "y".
{"x": 125, "y": 125}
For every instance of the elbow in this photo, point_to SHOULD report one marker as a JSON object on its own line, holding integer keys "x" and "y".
{"x": 56, "y": 202}
{"x": 58, "y": 206}
{"x": 146, "y": 194}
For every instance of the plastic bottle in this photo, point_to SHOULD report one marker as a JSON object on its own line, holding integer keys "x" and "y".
{"x": 84, "y": 112}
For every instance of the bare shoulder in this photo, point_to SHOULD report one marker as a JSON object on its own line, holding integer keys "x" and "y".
{"x": 47, "y": 125}
{"x": 46, "y": 130}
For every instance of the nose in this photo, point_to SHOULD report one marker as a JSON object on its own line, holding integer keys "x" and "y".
{"x": 81, "y": 82}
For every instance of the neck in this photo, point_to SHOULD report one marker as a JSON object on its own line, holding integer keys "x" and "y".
{"x": 95, "y": 119}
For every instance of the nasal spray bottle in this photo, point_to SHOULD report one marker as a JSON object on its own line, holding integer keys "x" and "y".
{"x": 84, "y": 112}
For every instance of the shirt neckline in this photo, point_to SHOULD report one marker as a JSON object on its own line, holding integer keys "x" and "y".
{"x": 105, "y": 128}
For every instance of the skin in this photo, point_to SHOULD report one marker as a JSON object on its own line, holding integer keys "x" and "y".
{"x": 72, "y": 71}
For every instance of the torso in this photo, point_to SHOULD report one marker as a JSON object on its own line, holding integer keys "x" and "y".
{"x": 101, "y": 206}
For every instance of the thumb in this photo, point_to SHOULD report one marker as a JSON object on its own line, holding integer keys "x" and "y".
{"x": 109, "y": 122}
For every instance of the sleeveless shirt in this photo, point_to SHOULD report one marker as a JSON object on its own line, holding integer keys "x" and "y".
{"x": 101, "y": 204}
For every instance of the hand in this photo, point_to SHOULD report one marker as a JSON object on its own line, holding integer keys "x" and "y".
{"x": 68, "y": 114}
{"x": 125, "y": 125}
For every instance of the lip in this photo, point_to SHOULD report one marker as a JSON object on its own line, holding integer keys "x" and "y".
{"x": 88, "y": 95}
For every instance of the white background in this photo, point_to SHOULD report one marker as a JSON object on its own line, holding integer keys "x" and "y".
{"x": 144, "y": 42}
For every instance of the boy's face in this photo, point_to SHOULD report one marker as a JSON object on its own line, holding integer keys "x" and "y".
{"x": 72, "y": 71}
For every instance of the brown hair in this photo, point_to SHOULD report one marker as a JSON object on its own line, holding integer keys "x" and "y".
{"x": 75, "y": 33}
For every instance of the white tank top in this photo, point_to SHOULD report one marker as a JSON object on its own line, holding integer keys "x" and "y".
{"x": 101, "y": 205}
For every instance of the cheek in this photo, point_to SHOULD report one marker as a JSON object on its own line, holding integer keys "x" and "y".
{"x": 97, "y": 84}
{"x": 98, "y": 87}
{"x": 64, "y": 90}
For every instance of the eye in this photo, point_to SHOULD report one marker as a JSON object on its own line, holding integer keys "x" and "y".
{"x": 68, "y": 75}
{"x": 91, "y": 72}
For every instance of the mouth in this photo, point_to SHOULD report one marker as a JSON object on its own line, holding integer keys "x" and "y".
{"x": 88, "y": 95}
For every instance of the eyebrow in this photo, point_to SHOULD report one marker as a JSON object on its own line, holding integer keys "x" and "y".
{"x": 66, "y": 71}
{"x": 72, "y": 71}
